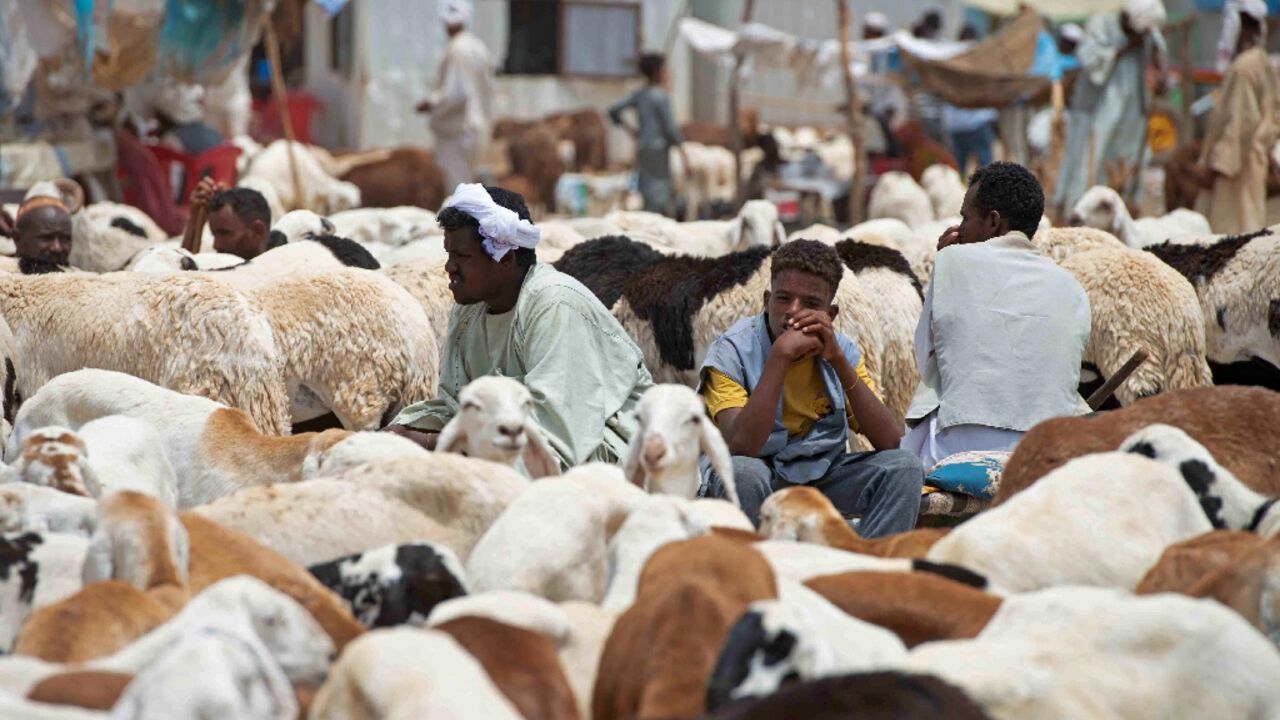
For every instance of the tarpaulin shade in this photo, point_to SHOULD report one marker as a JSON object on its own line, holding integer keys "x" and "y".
{"x": 1058, "y": 10}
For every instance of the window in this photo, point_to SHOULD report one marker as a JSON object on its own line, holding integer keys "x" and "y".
{"x": 342, "y": 40}
{"x": 573, "y": 37}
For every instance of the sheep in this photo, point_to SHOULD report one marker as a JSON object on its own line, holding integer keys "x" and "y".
{"x": 1031, "y": 541}
{"x": 357, "y": 449}
{"x": 219, "y": 553}
{"x": 563, "y": 561}
{"x": 806, "y": 515}
{"x": 428, "y": 283}
{"x": 661, "y": 651}
{"x": 105, "y": 235}
{"x": 89, "y": 689}
{"x": 897, "y": 195}
{"x": 1138, "y": 303}
{"x": 38, "y": 569}
{"x": 319, "y": 191}
{"x": 1237, "y": 280}
{"x": 918, "y": 607}
{"x": 389, "y": 227}
{"x": 441, "y": 498}
{"x": 673, "y": 429}
{"x": 213, "y": 450}
{"x": 1228, "y": 503}
{"x": 1127, "y": 657}
{"x": 878, "y": 694}
{"x": 1184, "y": 565}
{"x": 191, "y": 334}
{"x": 1061, "y": 243}
{"x": 395, "y": 584}
{"x": 945, "y": 188}
{"x": 656, "y": 521}
{"x": 604, "y": 264}
{"x": 1103, "y": 208}
{"x": 135, "y": 573}
{"x": 817, "y": 231}
{"x": 9, "y": 398}
{"x": 1247, "y": 585}
{"x": 756, "y": 225}
{"x": 54, "y": 457}
{"x": 30, "y": 508}
{"x": 559, "y": 235}
{"x": 522, "y": 664}
{"x": 1235, "y": 424}
{"x": 494, "y": 423}
{"x": 127, "y": 454}
{"x": 298, "y": 225}
{"x": 20, "y": 709}
{"x": 406, "y": 672}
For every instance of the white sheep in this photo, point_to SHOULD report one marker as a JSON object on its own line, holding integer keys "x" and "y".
{"x": 213, "y": 450}
{"x": 43, "y": 568}
{"x": 428, "y": 283}
{"x": 30, "y": 508}
{"x": 564, "y": 560}
{"x": 391, "y": 227}
{"x": 897, "y": 195}
{"x": 820, "y": 232}
{"x": 128, "y": 454}
{"x": 168, "y": 259}
{"x": 320, "y": 191}
{"x": 299, "y": 225}
{"x": 495, "y": 422}
{"x": 946, "y": 189}
{"x": 1103, "y": 208}
{"x": 656, "y": 521}
{"x": 55, "y": 457}
{"x": 440, "y": 498}
{"x": 1061, "y": 243}
{"x": 358, "y": 449}
{"x": 673, "y": 432}
{"x": 1035, "y": 539}
{"x": 409, "y": 673}
{"x": 184, "y": 332}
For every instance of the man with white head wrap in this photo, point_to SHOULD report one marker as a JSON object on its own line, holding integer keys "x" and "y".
{"x": 1110, "y": 99}
{"x": 461, "y": 105}
{"x": 1243, "y": 127}
{"x": 525, "y": 320}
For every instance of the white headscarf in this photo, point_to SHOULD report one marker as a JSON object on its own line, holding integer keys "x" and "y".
{"x": 1072, "y": 32}
{"x": 875, "y": 20}
{"x": 455, "y": 12}
{"x": 1257, "y": 9}
{"x": 501, "y": 228}
{"x": 1145, "y": 15}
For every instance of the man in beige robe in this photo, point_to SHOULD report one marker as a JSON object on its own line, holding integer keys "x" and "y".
{"x": 1242, "y": 129}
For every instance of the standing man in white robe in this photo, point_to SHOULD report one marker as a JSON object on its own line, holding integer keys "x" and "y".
{"x": 461, "y": 105}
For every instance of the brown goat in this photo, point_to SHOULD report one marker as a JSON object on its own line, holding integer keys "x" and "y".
{"x": 1236, "y": 424}
{"x": 716, "y": 134}
{"x": 1247, "y": 585}
{"x": 804, "y": 514}
{"x": 535, "y": 155}
{"x": 1184, "y": 564}
{"x": 658, "y": 658}
{"x": 917, "y": 607}
{"x": 585, "y": 129}
{"x": 410, "y": 176}
{"x": 523, "y": 664}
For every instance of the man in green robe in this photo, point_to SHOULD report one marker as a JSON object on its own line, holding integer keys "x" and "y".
{"x": 525, "y": 320}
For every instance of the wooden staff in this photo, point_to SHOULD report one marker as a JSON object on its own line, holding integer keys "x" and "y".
{"x": 1057, "y": 140}
{"x": 735, "y": 130}
{"x": 195, "y": 227}
{"x": 1109, "y": 387}
{"x": 278, "y": 91}
{"x": 855, "y": 117}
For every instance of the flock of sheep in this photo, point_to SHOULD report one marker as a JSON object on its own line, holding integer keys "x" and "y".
{"x": 172, "y": 550}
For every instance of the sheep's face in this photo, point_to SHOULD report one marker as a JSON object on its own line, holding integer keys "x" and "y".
{"x": 758, "y": 226}
{"x": 162, "y": 260}
{"x": 302, "y": 225}
{"x": 793, "y": 514}
{"x": 55, "y": 457}
{"x": 341, "y": 196}
{"x": 495, "y": 422}
{"x": 1100, "y": 207}
{"x": 673, "y": 430}
{"x": 1212, "y": 484}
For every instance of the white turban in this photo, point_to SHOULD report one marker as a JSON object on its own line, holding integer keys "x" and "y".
{"x": 1257, "y": 9}
{"x": 1072, "y": 32}
{"x": 501, "y": 228}
{"x": 1145, "y": 15}
{"x": 875, "y": 20}
{"x": 455, "y": 12}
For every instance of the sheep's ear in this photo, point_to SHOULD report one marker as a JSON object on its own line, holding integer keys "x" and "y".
{"x": 779, "y": 234}
{"x": 713, "y": 446}
{"x": 539, "y": 460}
{"x": 631, "y": 467}
{"x": 453, "y": 437}
{"x": 736, "y": 229}
{"x": 97, "y": 558}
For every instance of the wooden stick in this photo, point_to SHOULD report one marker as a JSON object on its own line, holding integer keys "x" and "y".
{"x": 856, "y": 120}
{"x": 1057, "y": 140}
{"x": 1109, "y": 387}
{"x": 195, "y": 228}
{"x": 735, "y": 130}
{"x": 671, "y": 29}
{"x": 280, "y": 94}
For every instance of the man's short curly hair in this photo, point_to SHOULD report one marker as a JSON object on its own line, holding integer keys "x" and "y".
{"x": 1011, "y": 190}
{"x": 246, "y": 203}
{"x": 453, "y": 219}
{"x": 809, "y": 256}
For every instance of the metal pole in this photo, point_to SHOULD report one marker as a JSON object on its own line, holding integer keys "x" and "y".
{"x": 735, "y": 130}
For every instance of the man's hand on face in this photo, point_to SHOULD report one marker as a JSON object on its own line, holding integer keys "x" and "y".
{"x": 817, "y": 324}
{"x": 795, "y": 345}
{"x": 950, "y": 236}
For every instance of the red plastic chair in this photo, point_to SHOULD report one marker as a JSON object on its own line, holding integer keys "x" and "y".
{"x": 300, "y": 105}
{"x": 218, "y": 162}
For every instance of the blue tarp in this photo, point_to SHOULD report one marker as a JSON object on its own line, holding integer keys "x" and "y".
{"x": 200, "y": 39}
{"x": 1273, "y": 6}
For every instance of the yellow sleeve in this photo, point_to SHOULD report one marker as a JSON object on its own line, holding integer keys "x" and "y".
{"x": 865, "y": 377}
{"x": 721, "y": 393}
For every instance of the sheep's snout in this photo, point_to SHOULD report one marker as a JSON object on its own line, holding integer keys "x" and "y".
{"x": 655, "y": 448}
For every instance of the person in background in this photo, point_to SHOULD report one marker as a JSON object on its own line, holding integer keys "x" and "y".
{"x": 461, "y": 106}
{"x": 522, "y": 319}
{"x": 1109, "y": 101}
{"x": 929, "y": 107}
{"x": 970, "y": 130}
{"x": 1003, "y": 328}
{"x": 765, "y": 174}
{"x": 655, "y": 133}
{"x": 786, "y": 390}
{"x": 1242, "y": 129}
{"x": 1069, "y": 36}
